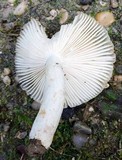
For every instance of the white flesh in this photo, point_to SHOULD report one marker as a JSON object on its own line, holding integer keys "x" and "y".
{"x": 52, "y": 105}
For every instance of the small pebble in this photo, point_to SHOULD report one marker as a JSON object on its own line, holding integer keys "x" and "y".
{"x": 86, "y": 113}
{"x": 6, "y": 12}
{"x": 102, "y": 3}
{"x": 114, "y": 3}
{"x": 85, "y": 2}
{"x": 21, "y": 135}
{"x": 64, "y": 15}
{"x": 7, "y": 80}
{"x": 68, "y": 113}
{"x": 81, "y": 134}
{"x": 79, "y": 140}
{"x": 21, "y": 8}
{"x": 53, "y": 13}
{"x": 91, "y": 109}
{"x": 118, "y": 81}
{"x": 79, "y": 127}
{"x": 35, "y": 105}
{"x": 118, "y": 78}
{"x": 6, "y": 71}
{"x": 50, "y": 18}
{"x": 8, "y": 26}
{"x": 6, "y": 127}
{"x": 85, "y": 7}
{"x": 118, "y": 69}
{"x": 21, "y": 149}
{"x": 103, "y": 123}
{"x": 2, "y": 76}
{"x": 95, "y": 120}
{"x": 105, "y": 18}
{"x": 11, "y": 1}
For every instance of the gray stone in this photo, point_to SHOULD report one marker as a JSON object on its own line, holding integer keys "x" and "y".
{"x": 79, "y": 140}
{"x": 85, "y": 2}
{"x": 35, "y": 105}
{"x": 79, "y": 127}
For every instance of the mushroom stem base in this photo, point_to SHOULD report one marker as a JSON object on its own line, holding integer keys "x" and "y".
{"x": 52, "y": 105}
{"x": 35, "y": 148}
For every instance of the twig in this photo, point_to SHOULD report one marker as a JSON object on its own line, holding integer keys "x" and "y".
{"x": 21, "y": 158}
{"x": 12, "y": 34}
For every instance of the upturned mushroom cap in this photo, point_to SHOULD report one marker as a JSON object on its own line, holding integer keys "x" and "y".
{"x": 86, "y": 53}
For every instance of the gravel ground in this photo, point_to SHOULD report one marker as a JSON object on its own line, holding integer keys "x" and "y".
{"x": 92, "y": 131}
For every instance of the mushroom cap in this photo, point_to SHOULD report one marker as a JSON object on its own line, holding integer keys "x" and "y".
{"x": 86, "y": 53}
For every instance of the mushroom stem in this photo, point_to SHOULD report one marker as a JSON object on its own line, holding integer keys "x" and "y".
{"x": 49, "y": 115}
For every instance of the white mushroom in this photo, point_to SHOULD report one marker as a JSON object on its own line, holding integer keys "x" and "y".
{"x": 69, "y": 69}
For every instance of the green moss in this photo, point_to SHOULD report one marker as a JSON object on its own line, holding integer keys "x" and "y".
{"x": 16, "y": 2}
{"x": 111, "y": 95}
